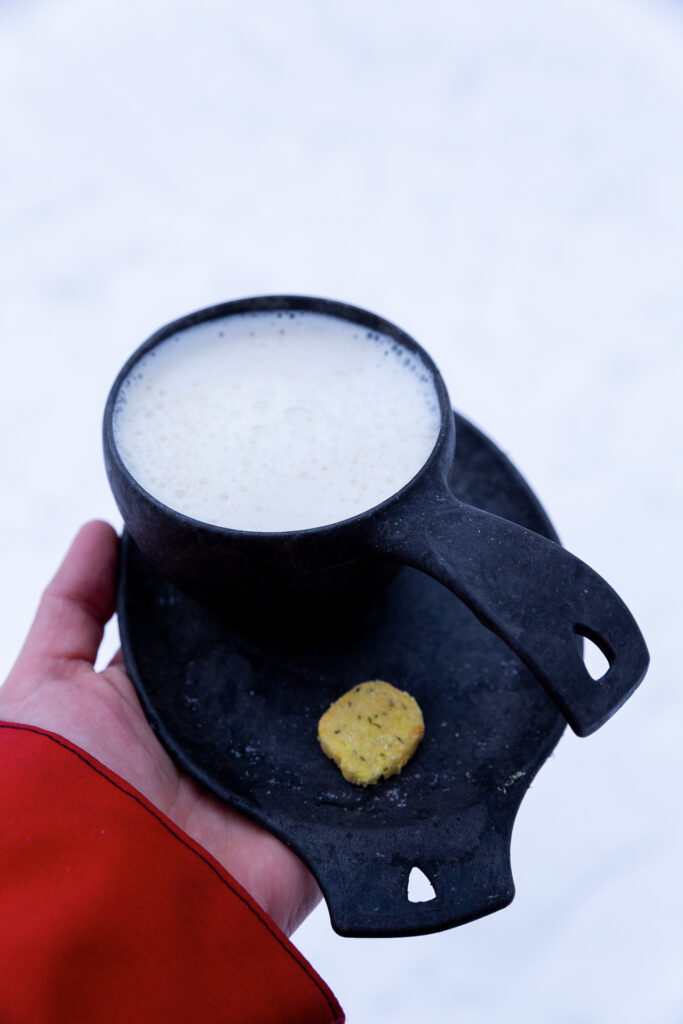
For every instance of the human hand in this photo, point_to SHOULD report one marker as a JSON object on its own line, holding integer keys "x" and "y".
{"x": 54, "y": 686}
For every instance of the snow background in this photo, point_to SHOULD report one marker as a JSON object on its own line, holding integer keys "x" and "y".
{"x": 505, "y": 181}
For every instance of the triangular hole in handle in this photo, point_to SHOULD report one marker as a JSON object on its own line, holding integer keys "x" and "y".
{"x": 420, "y": 889}
{"x": 597, "y": 654}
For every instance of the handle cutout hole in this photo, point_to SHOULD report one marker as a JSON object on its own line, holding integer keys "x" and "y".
{"x": 598, "y": 656}
{"x": 420, "y": 889}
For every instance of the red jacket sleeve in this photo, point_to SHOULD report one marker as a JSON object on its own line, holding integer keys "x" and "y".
{"x": 110, "y": 913}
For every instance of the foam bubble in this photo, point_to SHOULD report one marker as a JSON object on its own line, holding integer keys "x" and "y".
{"x": 276, "y": 422}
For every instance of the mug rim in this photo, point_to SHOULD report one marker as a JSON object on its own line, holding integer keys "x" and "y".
{"x": 274, "y": 303}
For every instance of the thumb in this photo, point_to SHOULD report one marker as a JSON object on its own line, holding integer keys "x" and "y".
{"x": 76, "y": 604}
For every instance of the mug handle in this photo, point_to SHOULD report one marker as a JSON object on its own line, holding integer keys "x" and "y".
{"x": 534, "y": 595}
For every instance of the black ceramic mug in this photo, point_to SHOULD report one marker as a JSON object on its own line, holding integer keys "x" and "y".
{"x": 531, "y": 592}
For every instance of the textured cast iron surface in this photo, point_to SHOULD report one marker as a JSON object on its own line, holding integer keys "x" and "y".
{"x": 238, "y": 707}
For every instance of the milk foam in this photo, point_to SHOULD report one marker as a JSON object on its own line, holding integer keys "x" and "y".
{"x": 276, "y": 421}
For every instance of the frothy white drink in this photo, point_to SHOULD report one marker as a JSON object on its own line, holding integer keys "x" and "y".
{"x": 276, "y": 421}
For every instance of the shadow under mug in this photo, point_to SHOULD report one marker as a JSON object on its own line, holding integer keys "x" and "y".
{"x": 530, "y": 591}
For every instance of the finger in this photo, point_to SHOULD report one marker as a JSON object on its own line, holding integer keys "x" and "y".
{"x": 78, "y": 602}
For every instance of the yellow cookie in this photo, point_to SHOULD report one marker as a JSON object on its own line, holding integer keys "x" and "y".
{"x": 371, "y": 732}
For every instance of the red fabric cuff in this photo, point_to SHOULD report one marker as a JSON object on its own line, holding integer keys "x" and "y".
{"x": 112, "y": 913}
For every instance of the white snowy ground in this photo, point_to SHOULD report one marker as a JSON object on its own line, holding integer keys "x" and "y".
{"x": 506, "y": 182}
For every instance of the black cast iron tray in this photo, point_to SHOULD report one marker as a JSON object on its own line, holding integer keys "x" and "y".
{"x": 237, "y": 705}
